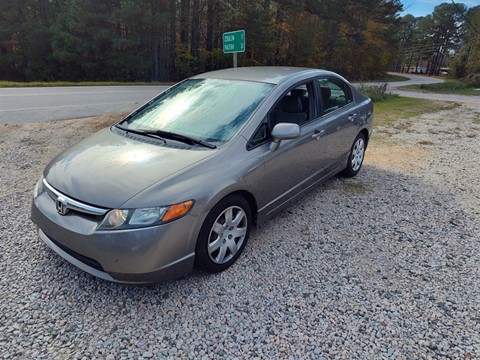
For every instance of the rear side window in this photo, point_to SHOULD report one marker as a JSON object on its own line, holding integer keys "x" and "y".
{"x": 334, "y": 94}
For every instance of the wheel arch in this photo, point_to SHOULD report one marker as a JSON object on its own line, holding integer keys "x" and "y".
{"x": 248, "y": 196}
{"x": 203, "y": 259}
{"x": 251, "y": 201}
{"x": 365, "y": 133}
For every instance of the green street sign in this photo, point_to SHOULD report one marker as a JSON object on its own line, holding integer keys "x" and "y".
{"x": 234, "y": 41}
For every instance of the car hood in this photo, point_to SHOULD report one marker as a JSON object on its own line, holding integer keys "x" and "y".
{"x": 107, "y": 169}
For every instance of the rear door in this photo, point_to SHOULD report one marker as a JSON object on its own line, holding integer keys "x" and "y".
{"x": 338, "y": 109}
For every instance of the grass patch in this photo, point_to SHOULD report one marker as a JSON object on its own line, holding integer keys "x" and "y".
{"x": 394, "y": 78}
{"x": 448, "y": 87}
{"x": 389, "y": 111}
{"x": 388, "y": 78}
{"x": 12, "y": 84}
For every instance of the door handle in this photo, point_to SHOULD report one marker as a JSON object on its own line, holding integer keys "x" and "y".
{"x": 317, "y": 134}
{"x": 352, "y": 117}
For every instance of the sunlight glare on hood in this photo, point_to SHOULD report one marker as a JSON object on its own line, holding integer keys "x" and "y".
{"x": 134, "y": 156}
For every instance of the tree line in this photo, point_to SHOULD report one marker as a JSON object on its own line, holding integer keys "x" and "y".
{"x": 467, "y": 62}
{"x": 448, "y": 40}
{"x": 167, "y": 40}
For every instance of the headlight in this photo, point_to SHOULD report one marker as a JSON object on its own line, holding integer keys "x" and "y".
{"x": 118, "y": 219}
{"x": 39, "y": 188}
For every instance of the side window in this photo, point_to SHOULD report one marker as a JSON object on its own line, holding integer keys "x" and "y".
{"x": 293, "y": 107}
{"x": 334, "y": 94}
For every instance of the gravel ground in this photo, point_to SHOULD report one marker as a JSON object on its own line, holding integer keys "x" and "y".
{"x": 382, "y": 266}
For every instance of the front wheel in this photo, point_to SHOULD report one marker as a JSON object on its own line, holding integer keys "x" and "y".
{"x": 355, "y": 158}
{"x": 224, "y": 234}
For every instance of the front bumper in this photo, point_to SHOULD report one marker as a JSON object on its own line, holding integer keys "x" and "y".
{"x": 140, "y": 256}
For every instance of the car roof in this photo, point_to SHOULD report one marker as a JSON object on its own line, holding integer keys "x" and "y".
{"x": 266, "y": 74}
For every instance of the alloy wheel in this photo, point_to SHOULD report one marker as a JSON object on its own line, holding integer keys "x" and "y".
{"x": 227, "y": 234}
{"x": 358, "y": 153}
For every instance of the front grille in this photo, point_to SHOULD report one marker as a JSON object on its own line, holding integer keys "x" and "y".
{"x": 84, "y": 259}
{"x": 73, "y": 204}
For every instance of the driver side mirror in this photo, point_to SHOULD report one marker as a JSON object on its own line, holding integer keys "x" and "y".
{"x": 283, "y": 131}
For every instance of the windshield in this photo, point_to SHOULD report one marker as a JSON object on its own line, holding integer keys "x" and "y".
{"x": 208, "y": 109}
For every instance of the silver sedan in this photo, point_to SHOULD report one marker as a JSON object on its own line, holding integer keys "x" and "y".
{"x": 180, "y": 182}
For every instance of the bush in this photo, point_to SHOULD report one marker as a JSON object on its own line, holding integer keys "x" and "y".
{"x": 376, "y": 92}
{"x": 473, "y": 80}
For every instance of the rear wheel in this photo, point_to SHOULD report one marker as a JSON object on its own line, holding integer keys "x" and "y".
{"x": 357, "y": 154}
{"x": 224, "y": 234}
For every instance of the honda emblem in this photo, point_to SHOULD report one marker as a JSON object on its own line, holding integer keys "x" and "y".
{"x": 62, "y": 206}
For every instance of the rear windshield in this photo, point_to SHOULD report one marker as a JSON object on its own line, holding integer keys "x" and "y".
{"x": 209, "y": 109}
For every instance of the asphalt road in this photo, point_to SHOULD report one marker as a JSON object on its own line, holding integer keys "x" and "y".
{"x": 27, "y": 105}
{"x": 414, "y": 80}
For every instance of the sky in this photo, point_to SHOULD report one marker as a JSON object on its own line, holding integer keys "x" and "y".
{"x": 425, "y": 7}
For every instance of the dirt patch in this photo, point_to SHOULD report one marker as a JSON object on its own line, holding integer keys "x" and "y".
{"x": 441, "y": 147}
{"x": 27, "y": 149}
{"x": 77, "y": 126}
{"x": 396, "y": 157}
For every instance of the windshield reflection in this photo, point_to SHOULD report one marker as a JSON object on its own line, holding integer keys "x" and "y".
{"x": 208, "y": 109}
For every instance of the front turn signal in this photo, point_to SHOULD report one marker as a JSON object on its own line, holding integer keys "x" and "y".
{"x": 177, "y": 210}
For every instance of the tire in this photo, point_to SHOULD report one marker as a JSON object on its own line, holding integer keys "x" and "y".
{"x": 224, "y": 234}
{"x": 356, "y": 156}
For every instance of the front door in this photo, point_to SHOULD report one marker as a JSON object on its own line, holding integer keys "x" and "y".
{"x": 299, "y": 163}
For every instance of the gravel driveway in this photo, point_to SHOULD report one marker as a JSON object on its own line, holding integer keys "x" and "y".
{"x": 385, "y": 265}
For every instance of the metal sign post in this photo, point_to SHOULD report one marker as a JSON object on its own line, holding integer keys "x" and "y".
{"x": 234, "y": 42}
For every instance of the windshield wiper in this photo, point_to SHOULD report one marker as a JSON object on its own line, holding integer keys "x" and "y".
{"x": 179, "y": 137}
{"x": 162, "y": 135}
{"x": 141, "y": 132}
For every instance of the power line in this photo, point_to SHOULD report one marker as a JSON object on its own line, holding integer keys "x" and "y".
{"x": 417, "y": 50}
{"x": 465, "y": 17}
{"x": 418, "y": 47}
